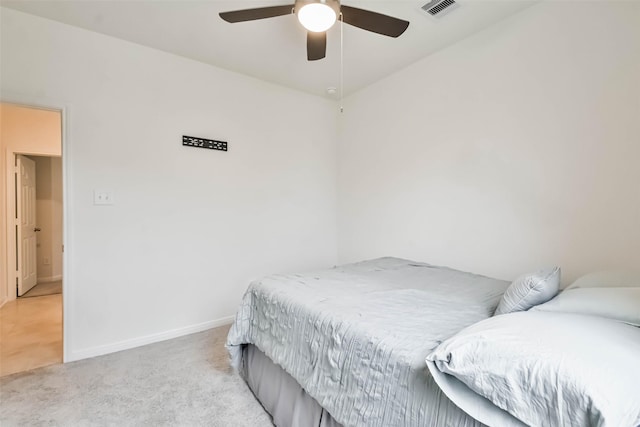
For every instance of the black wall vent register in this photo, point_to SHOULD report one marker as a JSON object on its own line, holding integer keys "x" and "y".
{"x": 211, "y": 144}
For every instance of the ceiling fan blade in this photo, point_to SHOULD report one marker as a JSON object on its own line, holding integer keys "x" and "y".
{"x": 316, "y": 45}
{"x": 372, "y": 21}
{"x": 258, "y": 13}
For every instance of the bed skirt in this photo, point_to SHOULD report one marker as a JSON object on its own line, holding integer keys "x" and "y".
{"x": 281, "y": 395}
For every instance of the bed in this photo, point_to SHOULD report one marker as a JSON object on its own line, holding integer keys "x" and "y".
{"x": 355, "y": 339}
{"x": 369, "y": 344}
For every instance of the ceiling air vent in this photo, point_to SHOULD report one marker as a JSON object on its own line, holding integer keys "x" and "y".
{"x": 439, "y": 7}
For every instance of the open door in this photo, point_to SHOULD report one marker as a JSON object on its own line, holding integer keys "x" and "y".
{"x": 26, "y": 223}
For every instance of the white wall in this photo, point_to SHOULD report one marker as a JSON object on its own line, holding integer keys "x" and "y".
{"x": 512, "y": 149}
{"x": 515, "y": 148}
{"x": 49, "y": 218}
{"x": 189, "y": 227}
{"x": 27, "y": 131}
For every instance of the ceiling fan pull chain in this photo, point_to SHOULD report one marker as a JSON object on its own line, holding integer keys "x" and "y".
{"x": 341, "y": 62}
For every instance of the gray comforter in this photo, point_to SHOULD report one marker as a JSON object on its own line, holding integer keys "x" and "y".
{"x": 356, "y": 337}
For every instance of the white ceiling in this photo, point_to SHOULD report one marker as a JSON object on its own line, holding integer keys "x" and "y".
{"x": 275, "y": 49}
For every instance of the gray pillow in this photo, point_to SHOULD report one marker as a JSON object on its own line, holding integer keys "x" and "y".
{"x": 622, "y": 304}
{"x": 548, "y": 369}
{"x": 530, "y": 290}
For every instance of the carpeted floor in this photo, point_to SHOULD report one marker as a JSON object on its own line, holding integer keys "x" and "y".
{"x": 186, "y": 381}
{"x": 42, "y": 289}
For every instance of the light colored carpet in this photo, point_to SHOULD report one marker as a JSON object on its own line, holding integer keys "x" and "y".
{"x": 42, "y": 289}
{"x": 186, "y": 381}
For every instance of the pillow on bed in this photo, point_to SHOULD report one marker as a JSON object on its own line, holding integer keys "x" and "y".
{"x": 530, "y": 290}
{"x": 622, "y": 304}
{"x": 551, "y": 369}
{"x": 608, "y": 279}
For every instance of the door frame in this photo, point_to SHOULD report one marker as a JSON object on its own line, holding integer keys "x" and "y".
{"x": 10, "y": 156}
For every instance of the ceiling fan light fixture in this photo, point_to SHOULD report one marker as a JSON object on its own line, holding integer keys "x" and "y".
{"x": 317, "y": 17}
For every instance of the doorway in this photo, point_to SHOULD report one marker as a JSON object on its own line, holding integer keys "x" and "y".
{"x": 31, "y": 333}
{"x": 39, "y": 231}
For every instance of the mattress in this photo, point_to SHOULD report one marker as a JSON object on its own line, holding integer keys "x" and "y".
{"x": 355, "y": 337}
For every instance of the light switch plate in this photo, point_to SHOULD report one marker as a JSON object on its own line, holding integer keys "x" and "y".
{"x": 101, "y": 197}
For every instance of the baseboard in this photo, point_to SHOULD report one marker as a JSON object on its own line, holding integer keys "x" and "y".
{"x": 147, "y": 339}
{"x": 49, "y": 279}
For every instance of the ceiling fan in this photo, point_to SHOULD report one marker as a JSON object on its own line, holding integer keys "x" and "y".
{"x": 317, "y": 16}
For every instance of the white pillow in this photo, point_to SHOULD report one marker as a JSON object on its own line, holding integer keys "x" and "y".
{"x": 548, "y": 369}
{"x": 622, "y": 304}
{"x": 530, "y": 290}
{"x": 605, "y": 279}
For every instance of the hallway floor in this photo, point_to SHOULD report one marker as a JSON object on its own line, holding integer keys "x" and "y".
{"x": 30, "y": 333}
{"x": 42, "y": 289}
